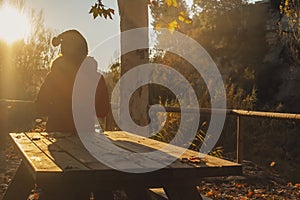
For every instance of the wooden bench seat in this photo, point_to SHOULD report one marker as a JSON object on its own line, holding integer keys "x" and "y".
{"x": 62, "y": 167}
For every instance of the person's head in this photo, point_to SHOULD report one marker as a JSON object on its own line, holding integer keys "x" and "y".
{"x": 73, "y": 44}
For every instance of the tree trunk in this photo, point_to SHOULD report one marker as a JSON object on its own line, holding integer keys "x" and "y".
{"x": 134, "y": 14}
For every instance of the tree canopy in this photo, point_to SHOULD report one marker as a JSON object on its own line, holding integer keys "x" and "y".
{"x": 25, "y": 63}
{"x": 100, "y": 10}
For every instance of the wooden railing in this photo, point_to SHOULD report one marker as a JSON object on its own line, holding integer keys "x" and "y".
{"x": 22, "y": 112}
{"x": 21, "y": 107}
{"x": 239, "y": 114}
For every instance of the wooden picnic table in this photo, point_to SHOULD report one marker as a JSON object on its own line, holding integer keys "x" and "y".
{"x": 60, "y": 165}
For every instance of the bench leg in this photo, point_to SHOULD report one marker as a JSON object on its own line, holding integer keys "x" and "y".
{"x": 183, "y": 193}
{"x": 21, "y": 185}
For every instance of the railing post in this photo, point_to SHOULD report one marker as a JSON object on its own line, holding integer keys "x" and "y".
{"x": 109, "y": 121}
{"x": 239, "y": 140}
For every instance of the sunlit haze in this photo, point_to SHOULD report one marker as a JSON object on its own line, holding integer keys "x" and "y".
{"x": 14, "y": 24}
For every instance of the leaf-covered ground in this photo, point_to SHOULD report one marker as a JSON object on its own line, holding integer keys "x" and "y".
{"x": 9, "y": 162}
{"x": 254, "y": 184}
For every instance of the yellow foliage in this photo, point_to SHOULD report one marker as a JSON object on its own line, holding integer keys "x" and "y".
{"x": 287, "y": 14}
{"x": 168, "y": 2}
{"x": 171, "y": 3}
{"x": 175, "y": 3}
{"x": 286, "y": 3}
{"x": 173, "y": 25}
{"x": 181, "y": 18}
{"x": 184, "y": 18}
{"x": 188, "y": 21}
{"x": 157, "y": 26}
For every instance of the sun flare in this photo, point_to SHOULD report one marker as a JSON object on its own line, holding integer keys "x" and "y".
{"x": 14, "y": 25}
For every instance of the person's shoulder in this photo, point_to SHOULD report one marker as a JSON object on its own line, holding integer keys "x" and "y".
{"x": 90, "y": 64}
{"x": 90, "y": 61}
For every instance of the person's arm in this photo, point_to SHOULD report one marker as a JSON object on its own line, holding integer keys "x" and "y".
{"x": 44, "y": 98}
{"x": 102, "y": 99}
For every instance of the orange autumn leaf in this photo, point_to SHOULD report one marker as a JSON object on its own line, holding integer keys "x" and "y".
{"x": 250, "y": 193}
{"x": 209, "y": 194}
{"x": 36, "y": 196}
{"x": 237, "y": 185}
{"x": 258, "y": 195}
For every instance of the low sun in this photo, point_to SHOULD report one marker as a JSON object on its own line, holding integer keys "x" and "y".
{"x": 13, "y": 24}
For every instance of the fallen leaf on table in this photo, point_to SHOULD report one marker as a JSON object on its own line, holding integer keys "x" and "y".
{"x": 272, "y": 164}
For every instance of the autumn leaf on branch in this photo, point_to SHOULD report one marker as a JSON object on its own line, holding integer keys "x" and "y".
{"x": 99, "y": 10}
{"x": 94, "y": 11}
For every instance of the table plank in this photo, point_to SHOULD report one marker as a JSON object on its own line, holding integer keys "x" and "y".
{"x": 204, "y": 160}
{"x": 71, "y": 143}
{"x": 58, "y": 155}
{"x": 138, "y": 148}
{"x": 35, "y": 158}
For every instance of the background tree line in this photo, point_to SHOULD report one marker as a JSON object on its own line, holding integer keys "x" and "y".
{"x": 25, "y": 63}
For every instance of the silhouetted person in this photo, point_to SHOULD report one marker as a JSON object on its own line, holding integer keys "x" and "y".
{"x": 55, "y": 96}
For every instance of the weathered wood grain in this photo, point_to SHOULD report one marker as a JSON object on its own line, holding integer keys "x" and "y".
{"x": 168, "y": 149}
{"x": 68, "y": 153}
{"x": 58, "y": 155}
{"x": 32, "y": 155}
{"x": 62, "y": 163}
